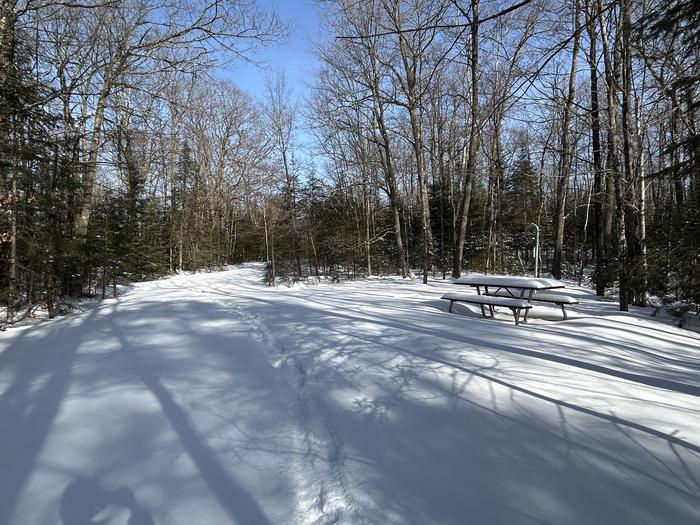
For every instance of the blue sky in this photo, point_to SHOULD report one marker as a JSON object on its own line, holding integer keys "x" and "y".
{"x": 295, "y": 56}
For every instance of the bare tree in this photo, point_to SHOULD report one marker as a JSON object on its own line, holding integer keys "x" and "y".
{"x": 111, "y": 46}
{"x": 282, "y": 115}
{"x": 565, "y": 153}
{"x": 471, "y": 145}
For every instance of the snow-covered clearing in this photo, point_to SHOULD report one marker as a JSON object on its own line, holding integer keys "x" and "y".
{"x": 211, "y": 399}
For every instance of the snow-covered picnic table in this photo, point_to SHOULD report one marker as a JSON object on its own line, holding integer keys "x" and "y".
{"x": 522, "y": 287}
{"x": 510, "y": 288}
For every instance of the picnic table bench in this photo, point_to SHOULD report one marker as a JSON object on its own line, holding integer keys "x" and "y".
{"x": 558, "y": 299}
{"x": 516, "y": 305}
{"x": 510, "y": 288}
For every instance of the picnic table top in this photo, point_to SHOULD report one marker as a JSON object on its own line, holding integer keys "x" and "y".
{"x": 509, "y": 281}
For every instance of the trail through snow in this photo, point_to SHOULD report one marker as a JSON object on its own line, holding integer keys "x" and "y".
{"x": 211, "y": 398}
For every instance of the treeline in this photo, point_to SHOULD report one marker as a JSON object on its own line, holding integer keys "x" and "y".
{"x": 445, "y": 133}
{"x": 121, "y": 158}
{"x": 466, "y": 125}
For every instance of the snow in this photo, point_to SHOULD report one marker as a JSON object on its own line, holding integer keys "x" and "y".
{"x": 478, "y": 279}
{"x": 212, "y": 398}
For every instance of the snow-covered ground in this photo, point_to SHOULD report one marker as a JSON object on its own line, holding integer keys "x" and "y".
{"x": 210, "y": 398}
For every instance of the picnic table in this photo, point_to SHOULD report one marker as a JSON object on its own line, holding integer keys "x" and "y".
{"x": 509, "y": 291}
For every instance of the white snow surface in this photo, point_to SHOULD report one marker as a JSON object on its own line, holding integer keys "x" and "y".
{"x": 211, "y": 398}
{"x": 509, "y": 281}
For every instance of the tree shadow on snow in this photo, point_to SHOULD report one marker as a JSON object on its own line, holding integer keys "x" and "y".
{"x": 84, "y": 500}
{"x": 419, "y": 447}
{"x": 467, "y": 461}
{"x": 426, "y": 462}
{"x": 231, "y": 494}
{"x": 42, "y": 375}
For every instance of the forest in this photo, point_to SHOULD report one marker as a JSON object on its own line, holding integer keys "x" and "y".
{"x": 438, "y": 136}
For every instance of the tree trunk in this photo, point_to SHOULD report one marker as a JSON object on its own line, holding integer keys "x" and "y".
{"x": 12, "y": 292}
{"x": 390, "y": 178}
{"x": 368, "y": 241}
{"x": 82, "y": 220}
{"x": 291, "y": 203}
{"x": 628, "y": 143}
{"x": 598, "y": 174}
{"x": 565, "y": 155}
{"x": 411, "y": 59}
{"x": 614, "y": 165}
{"x": 471, "y": 146}
{"x": 423, "y": 190}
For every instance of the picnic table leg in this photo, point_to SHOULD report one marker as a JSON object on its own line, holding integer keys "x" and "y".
{"x": 516, "y": 314}
{"x": 478, "y": 292}
{"x": 527, "y": 310}
{"x": 522, "y": 296}
{"x": 563, "y": 310}
{"x": 451, "y": 303}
